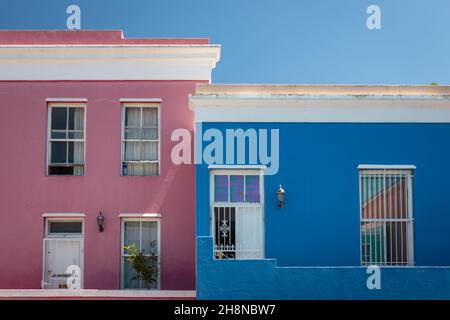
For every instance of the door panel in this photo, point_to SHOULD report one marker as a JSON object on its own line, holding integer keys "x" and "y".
{"x": 60, "y": 254}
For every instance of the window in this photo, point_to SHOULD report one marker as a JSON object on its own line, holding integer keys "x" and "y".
{"x": 140, "y": 139}
{"x": 66, "y": 139}
{"x": 145, "y": 235}
{"x": 386, "y": 217}
{"x": 64, "y": 227}
{"x": 237, "y": 219}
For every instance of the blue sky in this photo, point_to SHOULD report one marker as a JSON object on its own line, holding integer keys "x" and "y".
{"x": 295, "y": 41}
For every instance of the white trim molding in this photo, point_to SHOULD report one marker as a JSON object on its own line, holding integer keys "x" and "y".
{"x": 140, "y": 215}
{"x": 73, "y": 100}
{"x": 403, "y": 104}
{"x": 140, "y": 100}
{"x": 108, "y": 62}
{"x": 63, "y": 215}
{"x": 236, "y": 167}
{"x": 387, "y": 166}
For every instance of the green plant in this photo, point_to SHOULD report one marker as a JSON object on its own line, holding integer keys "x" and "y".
{"x": 434, "y": 84}
{"x": 145, "y": 264}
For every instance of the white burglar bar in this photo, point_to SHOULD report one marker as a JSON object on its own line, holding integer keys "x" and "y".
{"x": 386, "y": 216}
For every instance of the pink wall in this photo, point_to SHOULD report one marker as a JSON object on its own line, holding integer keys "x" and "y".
{"x": 85, "y": 37}
{"x": 26, "y": 193}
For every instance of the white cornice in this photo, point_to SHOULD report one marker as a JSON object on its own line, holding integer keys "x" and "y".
{"x": 329, "y": 108}
{"x": 108, "y": 62}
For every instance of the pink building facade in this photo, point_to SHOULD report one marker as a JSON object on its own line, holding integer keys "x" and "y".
{"x": 87, "y": 119}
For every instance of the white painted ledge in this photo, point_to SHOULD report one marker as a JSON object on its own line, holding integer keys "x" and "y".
{"x": 92, "y": 293}
{"x": 140, "y": 215}
{"x": 388, "y": 167}
{"x": 63, "y": 215}
{"x": 142, "y": 100}
{"x": 237, "y": 167}
{"x": 66, "y": 100}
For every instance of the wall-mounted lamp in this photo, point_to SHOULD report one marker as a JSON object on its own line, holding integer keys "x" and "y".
{"x": 280, "y": 195}
{"x": 100, "y": 221}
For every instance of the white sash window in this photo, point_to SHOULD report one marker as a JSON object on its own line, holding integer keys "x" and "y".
{"x": 140, "y": 139}
{"x": 145, "y": 234}
{"x": 66, "y": 139}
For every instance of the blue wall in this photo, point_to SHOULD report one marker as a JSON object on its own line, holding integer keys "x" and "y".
{"x": 319, "y": 225}
{"x": 262, "y": 279}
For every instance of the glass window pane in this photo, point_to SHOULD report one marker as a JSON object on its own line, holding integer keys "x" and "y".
{"x": 150, "y": 117}
{"x": 150, "y": 237}
{"x": 71, "y": 118}
{"x": 74, "y": 227}
{"x": 58, "y": 152}
{"x": 151, "y": 169}
{"x": 131, "y": 233}
{"x": 132, "y": 134}
{"x": 252, "y": 188}
{"x": 150, "y": 133}
{"x": 132, "y": 117}
{"x": 59, "y": 117}
{"x": 132, "y": 151}
{"x": 75, "y": 135}
{"x": 237, "y": 188}
{"x": 70, "y": 154}
{"x": 58, "y": 134}
{"x": 129, "y": 273}
{"x": 150, "y": 150}
{"x": 220, "y": 188}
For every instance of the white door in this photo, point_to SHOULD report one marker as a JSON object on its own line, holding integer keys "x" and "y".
{"x": 63, "y": 263}
{"x": 249, "y": 233}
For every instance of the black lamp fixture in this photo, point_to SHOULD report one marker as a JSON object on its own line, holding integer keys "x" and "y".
{"x": 280, "y": 195}
{"x": 100, "y": 221}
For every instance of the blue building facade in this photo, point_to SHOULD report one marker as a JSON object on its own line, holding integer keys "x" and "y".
{"x": 365, "y": 213}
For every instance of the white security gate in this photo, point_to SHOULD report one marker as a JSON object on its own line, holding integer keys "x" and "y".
{"x": 63, "y": 263}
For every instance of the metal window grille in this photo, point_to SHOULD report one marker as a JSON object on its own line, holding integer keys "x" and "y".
{"x": 386, "y": 217}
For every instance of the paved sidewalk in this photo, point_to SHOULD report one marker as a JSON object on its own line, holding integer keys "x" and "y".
{"x": 88, "y": 294}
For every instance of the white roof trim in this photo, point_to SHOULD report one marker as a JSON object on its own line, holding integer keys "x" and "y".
{"x": 322, "y": 110}
{"x": 144, "y": 100}
{"x": 388, "y": 166}
{"x": 139, "y": 215}
{"x": 66, "y": 100}
{"x": 115, "y": 62}
{"x": 346, "y": 96}
{"x": 237, "y": 167}
{"x": 63, "y": 215}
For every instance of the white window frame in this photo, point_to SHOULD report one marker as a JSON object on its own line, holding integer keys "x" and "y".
{"x": 48, "y": 236}
{"x": 50, "y": 106}
{"x": 241, "y": 170}
{"x": 149, "y": 104}
{"x": 122, "y": 255}
{"x": 48, "y": 220}
{"x": 406, "y": 171}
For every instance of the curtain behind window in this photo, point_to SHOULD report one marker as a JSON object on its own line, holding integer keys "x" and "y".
{"x": 79, "y": 146}
{"x": 141, "y": 150}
